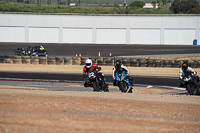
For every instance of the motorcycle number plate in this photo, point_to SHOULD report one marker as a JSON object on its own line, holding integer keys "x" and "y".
{"x": 91, "y": 74}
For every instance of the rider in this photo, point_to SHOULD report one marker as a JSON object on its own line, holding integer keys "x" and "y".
{"x": 41, "y": 47}
{"x": 89, "y": 67}
{"x": 186, "y": 70}
{"x": 118, "y": 66}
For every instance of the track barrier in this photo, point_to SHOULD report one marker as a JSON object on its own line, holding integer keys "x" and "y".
{"x": 51, "y": 60}
{"x": 34, "y": 60}
{"x": 76, "y": 61}
{"x": 67, "y": 60}
{"x": 25, "y": 59}
{"x": 17, "y": 60}
{"x": 101, "y": 61}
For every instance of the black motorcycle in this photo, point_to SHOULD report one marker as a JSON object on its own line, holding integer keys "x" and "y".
{"x": 191, "y": 85}
{"x": 97, "y": 81}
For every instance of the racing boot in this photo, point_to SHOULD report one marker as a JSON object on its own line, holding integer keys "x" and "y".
{"x": 86, "y": 84}
{"x": 130, "y": 89}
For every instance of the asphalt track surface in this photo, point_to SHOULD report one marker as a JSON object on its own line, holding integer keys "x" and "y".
{"x": 92, "y": 50}
{"x": 153, "y": 80}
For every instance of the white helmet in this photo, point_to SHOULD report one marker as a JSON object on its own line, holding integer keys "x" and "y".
{"x": 88, "y": 63}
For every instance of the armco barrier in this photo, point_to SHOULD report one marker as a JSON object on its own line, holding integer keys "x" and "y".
{"x": 101, "y": 61}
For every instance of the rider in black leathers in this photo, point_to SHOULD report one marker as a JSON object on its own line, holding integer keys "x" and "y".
{"x": 119, "y": 66}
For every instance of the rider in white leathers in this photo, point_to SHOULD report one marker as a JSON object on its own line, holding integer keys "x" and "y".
{"x": 185, "y": 70}
{"x": 118, "y": 66}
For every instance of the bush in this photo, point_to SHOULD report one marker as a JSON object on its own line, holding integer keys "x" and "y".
{"x": 185, "y": 6}
{"x": 19, "y": 7}
{"x": 137, "y": 4}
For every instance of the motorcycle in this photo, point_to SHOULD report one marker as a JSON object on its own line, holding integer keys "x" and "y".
{"x": 189, "y": 83}
{"x": 20, "y": 52}
{"x": 97, "y": 81}
{"x": 123, "y": 82}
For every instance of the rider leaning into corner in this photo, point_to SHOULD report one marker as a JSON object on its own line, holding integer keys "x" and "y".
{"x": 117, "y": 67}
{"x": 89, "y": 67}
{"x": 184, "y": 71}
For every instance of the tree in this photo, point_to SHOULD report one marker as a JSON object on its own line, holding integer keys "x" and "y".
{"x": 191, "y": 7}
{"x": 154, "y": 4}
{"x": 137, "y": 4}
{"x": 185, "y": 6}
{"x": 68, "y": 2}
{"x": 159, "y": 3}
{"x": 164, "y": 3}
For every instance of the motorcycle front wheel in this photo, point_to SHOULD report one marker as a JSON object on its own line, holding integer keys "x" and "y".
{"x": 122, "y": 87}
{"x": 95, "y": 85}
{"x": 191, "y": 89}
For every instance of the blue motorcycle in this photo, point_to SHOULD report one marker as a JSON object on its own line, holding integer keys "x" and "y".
{"x": 123, "y": 82}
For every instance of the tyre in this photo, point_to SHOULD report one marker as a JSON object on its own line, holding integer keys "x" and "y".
{"x": 122, "y": 87}
{"x": 95, "y": 85}
{"x": 191, "y": 89}
{"x": 104, "y": 87}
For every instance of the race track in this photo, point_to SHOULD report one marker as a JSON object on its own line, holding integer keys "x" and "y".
{"x": 92, "y": 50}
{"x": 151, "y": 80}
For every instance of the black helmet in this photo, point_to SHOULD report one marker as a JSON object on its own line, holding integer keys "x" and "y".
{"x": 185, "y": 66}
{"x": 118, "y": 63}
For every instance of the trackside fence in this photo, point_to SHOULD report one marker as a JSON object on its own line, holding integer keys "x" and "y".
{"x": 101, "y": 61}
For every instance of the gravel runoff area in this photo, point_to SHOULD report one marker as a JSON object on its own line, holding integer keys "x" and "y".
{"x": 32, "y": 109}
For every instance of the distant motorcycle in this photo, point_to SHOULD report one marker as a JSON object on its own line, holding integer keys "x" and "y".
{"x": 122, "y": 82}
{"x": 189, "y": 83}
{"x": 20, "y": 52}
{"x": 97, "y": 81}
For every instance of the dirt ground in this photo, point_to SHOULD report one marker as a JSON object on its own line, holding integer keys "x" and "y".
{"x": 145, "y": 110}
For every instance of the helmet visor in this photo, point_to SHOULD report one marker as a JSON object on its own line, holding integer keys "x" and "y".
{"x": 185, "y": 68}
{"x": 118, "y": 64}
{"x": 88, "y": 64}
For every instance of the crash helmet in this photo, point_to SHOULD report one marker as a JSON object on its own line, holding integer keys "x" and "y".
{"x": 88, "y": 63}
{"x": 118, "y": 63}
{"x": 185, "y": 66}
